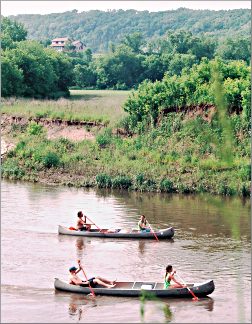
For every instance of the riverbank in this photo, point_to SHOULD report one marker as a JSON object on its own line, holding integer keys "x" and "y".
{"x": 178, "y": 155}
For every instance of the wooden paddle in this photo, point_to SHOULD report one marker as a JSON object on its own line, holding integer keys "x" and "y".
{"x": 91, "y": 289}
{"x": 195, "y": 298}
{"x": 93, "y": 223}
{"x": 152, "y": 230}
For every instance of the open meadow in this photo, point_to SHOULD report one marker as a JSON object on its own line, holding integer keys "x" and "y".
{"x": 104, "y": 106}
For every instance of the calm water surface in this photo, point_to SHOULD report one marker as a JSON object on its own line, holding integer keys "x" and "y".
{"x": 212, "y": 240}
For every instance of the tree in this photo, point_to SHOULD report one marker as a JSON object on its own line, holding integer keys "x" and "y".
{"x": 88, "y": 55}
{"x": 121, "y": 69}
{"x": 11, "y": 32}
{"x": 84, "y": 76}
{"x": 134, "y": 41}
{"x": 11, "y": 78}
{"x": 235, "y": 49}
{"x": 45, "y": 73}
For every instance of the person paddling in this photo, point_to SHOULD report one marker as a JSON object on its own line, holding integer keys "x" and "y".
{"x": 93, "y": 282}
{"x": 170, "y": 281}
{"x": 142, "y": 224}
{"x": 82, "y": 225}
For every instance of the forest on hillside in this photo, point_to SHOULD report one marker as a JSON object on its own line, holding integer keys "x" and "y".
{"x": 97, "y": 29}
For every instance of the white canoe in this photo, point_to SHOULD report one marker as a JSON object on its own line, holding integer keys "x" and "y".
{"x": 166, "y": 233}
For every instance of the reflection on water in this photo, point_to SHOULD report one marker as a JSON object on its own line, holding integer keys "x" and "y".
{"x": 212, "y": 241}
{"x": 167, "y": 313}
{"x": 79, "y": 247}
{"x": 141, "y": 246}
{"x": 79, "y": 305}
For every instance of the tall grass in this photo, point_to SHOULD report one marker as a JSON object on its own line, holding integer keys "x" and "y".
{"x": 226, "y": 143}
{"x": 103, "y": 106}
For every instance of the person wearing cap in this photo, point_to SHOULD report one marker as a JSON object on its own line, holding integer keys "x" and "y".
{"x": 82, "y": 225}
{"x": 75, "y": 280}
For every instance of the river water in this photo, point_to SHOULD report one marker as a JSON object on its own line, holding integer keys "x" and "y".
{"x": 212, "y": 241}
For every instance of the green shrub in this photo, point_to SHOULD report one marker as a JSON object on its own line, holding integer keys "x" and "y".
{"x": 103, "y": 180}
{"x": 64, "y": 145}
{"x": 34, "y": 129}
{"x": 105, "y": 138}
{"x": 127, "y": 123}
{"x": 187, "y": 158}
{"x": 183, "y": 188}
{"x": 166, "y": 185}
{"x": 245, "y": 172}
{"x": 121, "y": 182}
{"x": 138, "y": 143}
{"x": 12, "y": 170}
{"x": 150, "y": 184}
{"x": 20, "y": 146}
{"x": 224, "y": 189}
{"x": 51, "y": 159}
{"x": 140, "y": 179}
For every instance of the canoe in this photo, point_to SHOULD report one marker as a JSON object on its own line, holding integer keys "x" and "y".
{"x": 120, "y": 233}
{"x": 135, "y": 289}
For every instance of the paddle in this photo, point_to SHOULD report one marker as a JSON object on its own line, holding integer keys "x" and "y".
{"x": 92, "y": 291}
{"x": 152, "y": 230}
{"x": 93, "y": 223}
{"x": 195, "y": 298}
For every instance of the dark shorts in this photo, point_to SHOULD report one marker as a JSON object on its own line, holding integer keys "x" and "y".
{"x": 91, "y": 282}
{"x": 83, "y": 228}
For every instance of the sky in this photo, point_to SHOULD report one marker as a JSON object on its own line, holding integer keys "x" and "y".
{"x": 46, "y": 7}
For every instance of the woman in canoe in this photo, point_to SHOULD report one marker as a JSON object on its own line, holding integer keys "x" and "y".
{"x": 75, "y": 280}
{"x": 142, "y": 224}
{"x": 82, "y": 225}
{"x": 170, "y": 281}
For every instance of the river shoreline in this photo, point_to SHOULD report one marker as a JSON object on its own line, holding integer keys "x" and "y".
{"x": 116, "y": 164}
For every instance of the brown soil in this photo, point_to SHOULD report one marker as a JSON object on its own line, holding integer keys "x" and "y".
{"x": 206, "y": 111}
{"x": 74, "y": 131}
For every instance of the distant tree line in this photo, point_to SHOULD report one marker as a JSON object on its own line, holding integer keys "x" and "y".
{"x": 31, "y": 69}
{"x": 98, "y": 28}
{"x": 134, "y": 60}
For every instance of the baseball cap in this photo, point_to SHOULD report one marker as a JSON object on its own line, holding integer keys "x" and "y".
{"x": 72, "y": 269}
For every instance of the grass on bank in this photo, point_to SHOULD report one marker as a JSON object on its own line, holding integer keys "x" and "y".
{"x": 104, "y": 106}
{"x": 170, "y": 158}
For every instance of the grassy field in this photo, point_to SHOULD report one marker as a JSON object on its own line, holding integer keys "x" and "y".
{"x": 83, "y": 105}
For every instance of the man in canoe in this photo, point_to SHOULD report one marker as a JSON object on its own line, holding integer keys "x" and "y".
{"x": 142, "y": 224}
{"x": 75, "y": 280}
{"x": 82, "y": 225}
{"x": 170, "y": 281}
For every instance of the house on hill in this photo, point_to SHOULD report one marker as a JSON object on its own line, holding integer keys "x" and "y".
{"x": 66, "y": 44}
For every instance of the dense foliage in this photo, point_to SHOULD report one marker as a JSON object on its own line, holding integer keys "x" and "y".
{"x": 11, "y": 32}
{"x": 134, "y": 60}
{"x": 98, "y": 28}
{"x": 194, "y": 87}
{"x": 30, "y": 70}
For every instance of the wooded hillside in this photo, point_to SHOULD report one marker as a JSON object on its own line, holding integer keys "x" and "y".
{"x": 97, "y": 29}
